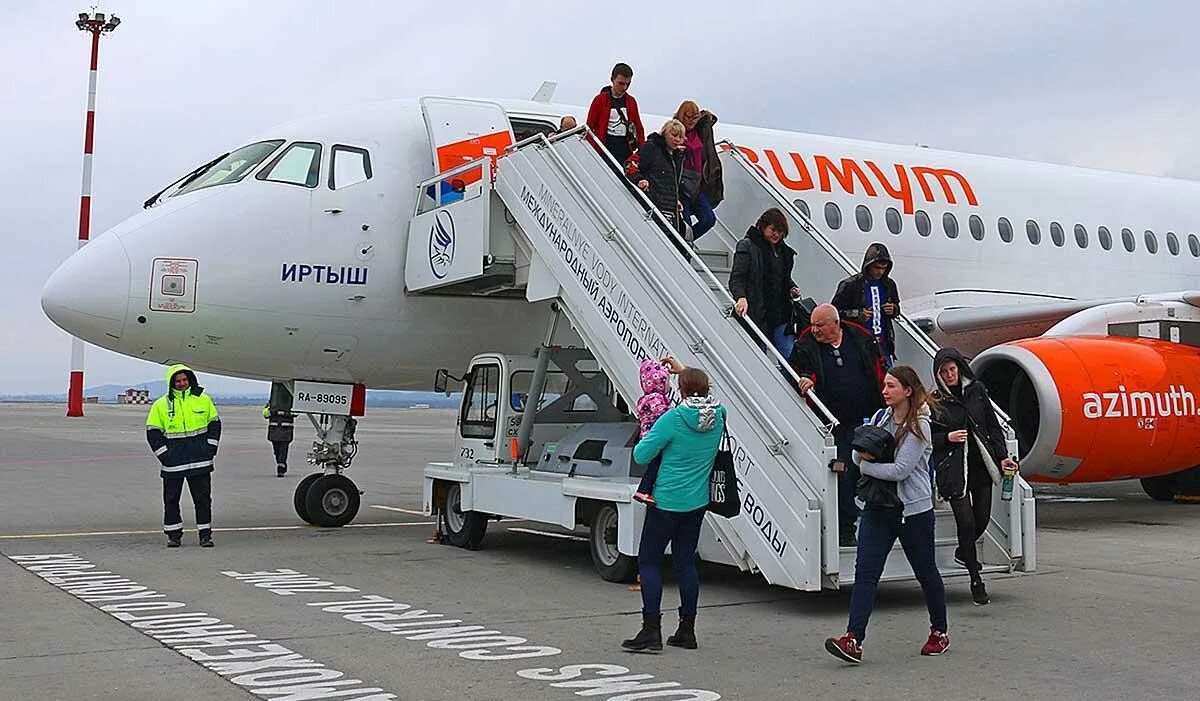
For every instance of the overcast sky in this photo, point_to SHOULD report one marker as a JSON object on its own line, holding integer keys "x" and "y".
{"x": 1083, "y": 83}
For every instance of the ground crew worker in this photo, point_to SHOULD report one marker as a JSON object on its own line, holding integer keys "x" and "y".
{"x": 280, "y": 430}
{"x": 184, "y": 432}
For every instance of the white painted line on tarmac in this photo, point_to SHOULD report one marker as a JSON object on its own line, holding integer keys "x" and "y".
{"x": 1074, "y": 500}
{"x": 82, "y": 534}
{"x": 548, "y": 534}
{"x": 414, "y": 512}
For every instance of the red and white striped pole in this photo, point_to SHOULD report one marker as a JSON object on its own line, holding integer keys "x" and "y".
{"x": 95, "y": 24}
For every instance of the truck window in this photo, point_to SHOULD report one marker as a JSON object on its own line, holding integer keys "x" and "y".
{"x": 478, "y": 419}
{"x": 556, "y": 385}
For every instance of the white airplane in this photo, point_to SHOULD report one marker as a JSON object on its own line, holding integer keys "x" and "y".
{"x": 286, "y": 259}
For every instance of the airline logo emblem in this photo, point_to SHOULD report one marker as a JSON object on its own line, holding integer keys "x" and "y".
{"x": 441, "y": 244}
{"x": 1176, "y": 401}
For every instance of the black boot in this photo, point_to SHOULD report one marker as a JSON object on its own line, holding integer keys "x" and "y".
{"x": 649, "y": 638}
{"x": 685, "y": 634}
{"x": 979, "y": 593}
{"x": 206, "y": 538}
{"x": 174, "y": 539}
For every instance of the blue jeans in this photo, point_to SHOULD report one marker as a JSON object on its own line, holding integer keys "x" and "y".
{"x": 876, "y": 534}
{"x": 682, "y": 530}
{"x": 703, "y": 211}
{"x": 782, "y": 340}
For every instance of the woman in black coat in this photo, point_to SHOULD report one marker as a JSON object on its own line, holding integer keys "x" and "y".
{"x": 968, "y": 451}
{"x": 659, "y": 168}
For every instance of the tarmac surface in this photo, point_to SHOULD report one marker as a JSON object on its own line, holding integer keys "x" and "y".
{"x": 93, "y": 606}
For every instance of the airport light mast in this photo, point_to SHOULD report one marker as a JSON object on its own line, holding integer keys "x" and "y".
{"x": 97, "y": 24}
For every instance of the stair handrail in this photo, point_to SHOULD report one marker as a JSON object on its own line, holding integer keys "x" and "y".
{"x": 584, "y": 131}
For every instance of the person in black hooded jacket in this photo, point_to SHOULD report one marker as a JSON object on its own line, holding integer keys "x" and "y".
{"x": 659, "y": 167}
{"x": 968, "y": 451}
{"x": 871, "y": 299}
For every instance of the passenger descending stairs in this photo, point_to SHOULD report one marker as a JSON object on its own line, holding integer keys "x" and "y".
{"x": 630, "y": 294}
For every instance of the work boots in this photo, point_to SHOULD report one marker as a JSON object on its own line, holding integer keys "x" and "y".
{"x": 280, "y": 470}
{"x": 649, "y": 638}
{"x": 685, "y": 635}
{"x": 206, "y": 538}
{"x": 174, "y": 539}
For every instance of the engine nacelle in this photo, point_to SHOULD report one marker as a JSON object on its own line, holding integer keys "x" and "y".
{"x": 1098, "y": 408}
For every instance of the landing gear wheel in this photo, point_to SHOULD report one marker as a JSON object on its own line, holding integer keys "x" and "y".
{"x": 463, "y": 529}
{"x": 1160, "y": 488}
{"x": 332, "y": 501}
{"x": 301, "y": 495}
{"x": 608, "y": 561}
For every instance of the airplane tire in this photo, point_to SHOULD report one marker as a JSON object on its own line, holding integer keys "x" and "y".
{"x": 602, "y": 540}
{"x": 1161, "y": 488}
{"x": 300, "y": 497}
{"x": 332, "y": 501}
{"x": 463, "y": 529}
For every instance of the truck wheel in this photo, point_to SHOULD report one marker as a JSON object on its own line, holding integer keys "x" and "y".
{"x": 301, "y": 495}
{"x": 1160, "y": 488}
{"x": 463, "y": 529}
{"x": 608, "y": 561}
{"x": 332, "y": 501}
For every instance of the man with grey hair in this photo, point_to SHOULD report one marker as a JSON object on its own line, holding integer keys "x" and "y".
{"x": 841, "y": 362}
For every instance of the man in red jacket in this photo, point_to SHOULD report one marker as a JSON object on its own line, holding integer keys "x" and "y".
{"x": 613, "y": 116}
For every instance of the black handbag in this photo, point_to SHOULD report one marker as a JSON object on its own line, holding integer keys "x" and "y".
{"x": 722, "y": 481}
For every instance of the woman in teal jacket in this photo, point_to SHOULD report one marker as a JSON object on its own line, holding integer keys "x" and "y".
{"x": 687, "y": 437}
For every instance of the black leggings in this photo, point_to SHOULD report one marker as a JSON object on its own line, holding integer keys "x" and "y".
{"x": 972, "y": 512}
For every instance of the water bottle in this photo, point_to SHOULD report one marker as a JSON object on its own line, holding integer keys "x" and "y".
{"x": 1009, "y": 473}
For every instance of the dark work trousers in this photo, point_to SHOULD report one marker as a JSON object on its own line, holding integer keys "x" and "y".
{"x": 847, "y": 480}
{"x": 681, "y": 529}
{"x": 876, "y": 535}
{"x": 281, "y": 450}
{"x": 972, "y": 512}
{"x": 200, "y": 487}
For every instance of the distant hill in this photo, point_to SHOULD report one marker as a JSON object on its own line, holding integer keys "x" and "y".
{"x": 376, "y": 398}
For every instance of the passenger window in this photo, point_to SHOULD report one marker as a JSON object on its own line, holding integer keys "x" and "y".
{"x": 803, "y": 207}
{"x": 1105, "y": 238}
{"x": 1194, "y": 245}
{"x": 1128, "y": 240}
{"x": 950, "y": 224}
{"x": 1033, "y": 231}
{"x": 299, "y": 164}
{"x": 1172, "y": 243}
{"x": 349, "y": 166}
{"x": 894, "y": 222}
{"x": 862, "y": 215}
{"x": 1081, "y": 237}
{"x": 833, "y": 215}
{"x": 975, "y": 224}
{"x": 1005, "y": 228}
{"x": 923, "y": 224}
{"x": 1151, "y": 242}
{"x": 478, "y": 419}
{"x": 1056, "y": 234}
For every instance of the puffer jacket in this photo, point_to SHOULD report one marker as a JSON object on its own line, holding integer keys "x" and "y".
{"x": 974, "y": 463}
{"x": 663, "y": 169}
{"x": 183, "y": 428}
{"x": 656, "y": 383}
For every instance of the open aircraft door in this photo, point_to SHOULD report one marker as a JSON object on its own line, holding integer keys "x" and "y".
{"x": 461, "y": 131}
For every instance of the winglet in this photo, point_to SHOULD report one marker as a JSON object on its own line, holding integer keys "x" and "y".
{"x": 545, "y": 92}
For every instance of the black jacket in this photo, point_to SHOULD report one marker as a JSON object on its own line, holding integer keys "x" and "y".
{"x": 806, "y": 358}
{"x": 712, "y": 183}
{"x": 851, "y": 294}
{"x": 748, "y": 277}
{"x": 662, "y": 169}
{"x": 959, "y": 465}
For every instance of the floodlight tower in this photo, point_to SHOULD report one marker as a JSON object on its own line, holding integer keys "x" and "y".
{"x": 97, "y": 25}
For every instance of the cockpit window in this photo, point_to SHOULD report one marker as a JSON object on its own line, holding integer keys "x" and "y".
{"x": 350, "y": 166}
{"x": 231, "y": 168}
{"x": 299, "y": 164}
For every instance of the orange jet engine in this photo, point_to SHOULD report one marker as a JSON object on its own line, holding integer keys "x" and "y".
{"x": 1098, "y": 408}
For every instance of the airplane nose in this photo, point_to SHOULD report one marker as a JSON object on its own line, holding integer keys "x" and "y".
{"x": 88, "y": 295}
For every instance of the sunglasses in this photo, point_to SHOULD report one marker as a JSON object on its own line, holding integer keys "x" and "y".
{"x": 837, "y": 357}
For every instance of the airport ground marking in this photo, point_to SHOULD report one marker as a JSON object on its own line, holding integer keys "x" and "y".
{"x": 256, "y": 664}
{"x": 232, "y": 529}
{"x": 414, "y": 512}
{"x": 548, "y": 534}
{"x": 472, "y": 641}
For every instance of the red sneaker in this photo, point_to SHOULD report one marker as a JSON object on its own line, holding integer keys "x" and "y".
{"x": 938, "y": 643}
{"x": 846, "y": 648}
{"x": 643, "y": 497}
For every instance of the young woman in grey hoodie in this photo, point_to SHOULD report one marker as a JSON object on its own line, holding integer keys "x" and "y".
{"x": 906, "y": 415}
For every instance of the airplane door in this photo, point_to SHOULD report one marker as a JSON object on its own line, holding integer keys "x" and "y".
{"x": 464, "y": 130}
